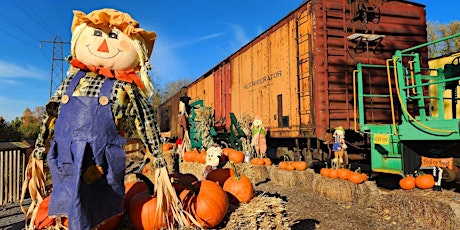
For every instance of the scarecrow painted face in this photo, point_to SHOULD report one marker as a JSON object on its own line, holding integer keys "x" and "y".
{"x": 106, "y": 47}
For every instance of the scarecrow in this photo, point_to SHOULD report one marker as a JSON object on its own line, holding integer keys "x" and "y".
{"x": 258, "y": 137}
{"x": 338, "y": 147}
{"x": 107, "y": 82}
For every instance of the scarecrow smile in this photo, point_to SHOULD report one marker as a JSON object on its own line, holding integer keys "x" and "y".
{"x": 109, "y": 57}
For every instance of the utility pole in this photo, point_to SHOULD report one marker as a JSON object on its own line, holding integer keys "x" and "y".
{"x": 57, "y": 65}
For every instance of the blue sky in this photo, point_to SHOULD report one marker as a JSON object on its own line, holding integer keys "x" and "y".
{"x": 192, "y": 36}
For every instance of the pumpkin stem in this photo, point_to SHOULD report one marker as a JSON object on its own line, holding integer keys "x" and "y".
{"x": 237, "y": 175}
{"x": 148, "y": 182}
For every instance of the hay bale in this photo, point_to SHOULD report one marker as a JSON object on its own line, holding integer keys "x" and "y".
{"x": 426, "y": 208}
{"x": 255, "y": 173}
{"x": 194, "y": 168}
{"x": 293, "y": 179}
{"x": 262, "y": 212}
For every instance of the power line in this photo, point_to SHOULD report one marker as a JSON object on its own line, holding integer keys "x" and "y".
{"x": 18, "y": 38}
{"x": 43, "y": 25}
{"x": 38, "y": 16}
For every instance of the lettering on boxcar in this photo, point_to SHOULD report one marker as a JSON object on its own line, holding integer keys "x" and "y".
{"x": 263, "y": 79}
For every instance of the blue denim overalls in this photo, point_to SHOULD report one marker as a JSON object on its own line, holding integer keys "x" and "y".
{"x": 86, "y": 159}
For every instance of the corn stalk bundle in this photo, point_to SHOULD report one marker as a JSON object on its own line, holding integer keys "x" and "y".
{"x": 34, "y": 182}
{"x": 203, "y": 122}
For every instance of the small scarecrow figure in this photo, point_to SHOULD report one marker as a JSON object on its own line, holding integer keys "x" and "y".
{"x": 108, "y": 81}
{"x": 338, "y": 147}
{"x": 213, "y": 156}
{"x": 258, "y": 137}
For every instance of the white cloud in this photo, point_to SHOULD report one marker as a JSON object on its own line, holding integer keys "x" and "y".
{"x": 191, "y": 42}
{"x": 10, "y": 70}
{"x": 240, "y": 35}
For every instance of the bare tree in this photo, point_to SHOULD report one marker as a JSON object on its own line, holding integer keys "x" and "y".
{"x": 436, "y": 30}
{"x": 173, "y": 87}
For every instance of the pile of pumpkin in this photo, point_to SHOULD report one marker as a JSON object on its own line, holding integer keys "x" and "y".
{"x": 356, "y": 176}
{"x": 261, "y": 161}
{"x": 421, "y": 181}
{"x": 293, "y": 165}
{"x": 207, "y": 201}
{"x": 199, "y": 156}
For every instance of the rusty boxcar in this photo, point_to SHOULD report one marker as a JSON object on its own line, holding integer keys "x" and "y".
{"x": 298, "y": 74}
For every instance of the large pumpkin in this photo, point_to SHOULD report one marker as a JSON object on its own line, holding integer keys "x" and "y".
{"x": 142, "y": 209}
{"x": 219, "y": 175}
{"x": 206, "y": 201}
{"x": 131, "y": 189}
{"x": 42, "y": 220}
{"x": 239, "y": 188}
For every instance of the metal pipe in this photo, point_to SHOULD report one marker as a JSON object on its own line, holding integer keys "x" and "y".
{"x": 430, "y": 43}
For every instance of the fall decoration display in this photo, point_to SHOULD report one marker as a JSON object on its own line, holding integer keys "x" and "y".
{"x": 206, "y": 201}
{"x": 407, "y": 183}
{"x": 238, "y": 187}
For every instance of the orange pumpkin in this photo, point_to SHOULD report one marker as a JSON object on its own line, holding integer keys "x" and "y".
{"x": 324, "y": 172}
{"x": 267, "y": 161}
{"x": 189, "y": 156}
{"x": 257, "y": 161}
{"x": 424, "y": 181}
{"x": 290, "y": 166}
{"x": 283, "y": 164}
{"x": 206, "y": 201}
{"x": 201, "y": 157}
{"x": 238, "y": 187}
{"x": 42, "y": 220}
{"x": 142, "y": 209}
{"x": 407, "y": 183}
{"x": 300, "y": 165}
{"x": 333, "y": 173}
{"x": 131, "y": 189}
{"x": 236, "y": 156}
{"x": 219, "y": 175}
{"x": 343, "y": 173}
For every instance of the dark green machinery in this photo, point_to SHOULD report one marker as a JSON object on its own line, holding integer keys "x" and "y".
{"x": 419, "y": 127}
{"x": 227, "y": 138}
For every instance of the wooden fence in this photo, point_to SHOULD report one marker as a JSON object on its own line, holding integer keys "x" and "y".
{"x": 12, "y": 166}
{"x": 13, "y": 160}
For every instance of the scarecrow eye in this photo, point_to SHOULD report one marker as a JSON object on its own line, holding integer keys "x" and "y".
{"x": 97, "y": 33}
{"x": 113, "y": 35}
